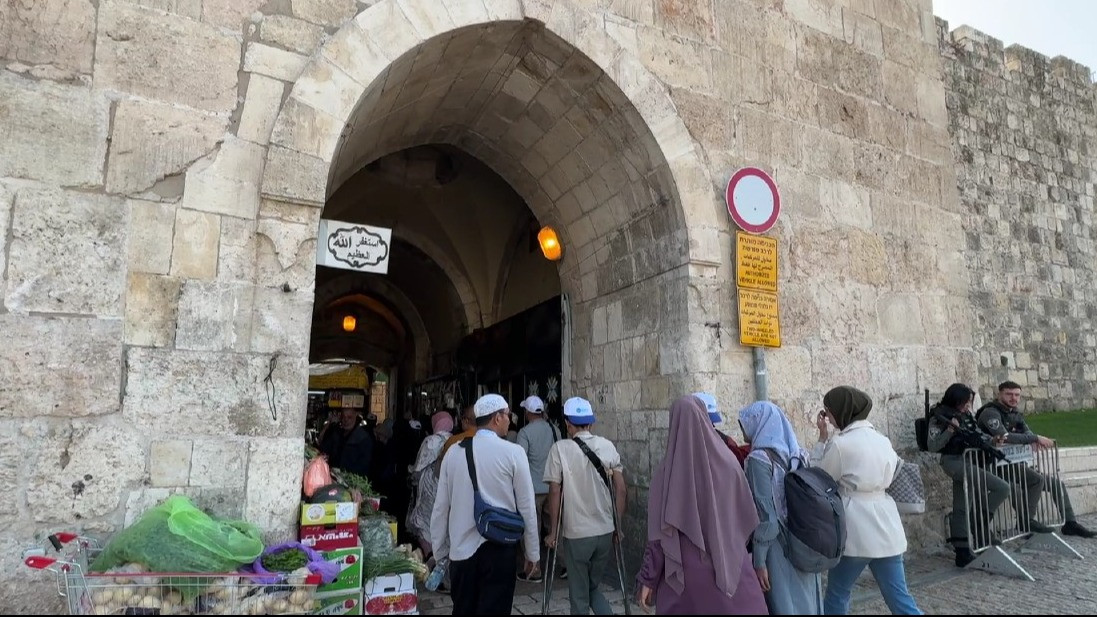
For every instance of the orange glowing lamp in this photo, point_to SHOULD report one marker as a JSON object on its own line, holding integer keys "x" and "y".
{"x": 550, "y": 243}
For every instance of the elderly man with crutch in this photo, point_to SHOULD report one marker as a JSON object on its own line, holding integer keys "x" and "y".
{"x": 586, "y": 501}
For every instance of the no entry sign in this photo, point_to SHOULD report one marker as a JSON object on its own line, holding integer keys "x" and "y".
{"x": 753, "y": 200}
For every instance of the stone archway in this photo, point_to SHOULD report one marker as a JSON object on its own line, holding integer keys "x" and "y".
{"x": 351, "y": 284}
{"x": 581, "y": 130}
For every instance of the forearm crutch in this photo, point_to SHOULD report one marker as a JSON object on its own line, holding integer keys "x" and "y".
{"x": 618, "y": 554}
{"x": 550, "y": 559}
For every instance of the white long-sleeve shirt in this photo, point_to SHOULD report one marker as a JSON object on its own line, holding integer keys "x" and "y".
{"x": 503, "y": 474}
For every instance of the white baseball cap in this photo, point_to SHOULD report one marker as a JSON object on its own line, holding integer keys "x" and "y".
{"x": 578, "y": 411}
{"x": 533, "y": 404}
{"x": 710, "y": 406}
{"x": 489, "y": 404}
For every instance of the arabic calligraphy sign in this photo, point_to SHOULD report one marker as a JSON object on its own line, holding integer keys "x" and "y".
{"x": 354, "y": 247}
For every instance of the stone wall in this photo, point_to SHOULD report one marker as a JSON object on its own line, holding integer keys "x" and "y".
{"x": 164, "y": 163}
{"x": 1023, "y": 129}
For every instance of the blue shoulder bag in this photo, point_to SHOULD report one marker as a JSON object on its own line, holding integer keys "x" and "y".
{"x": 496, "y": 524}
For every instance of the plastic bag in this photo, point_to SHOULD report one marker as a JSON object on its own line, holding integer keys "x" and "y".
{"x": 175, "y": 536}
{"x": 316, "y": 563}
{"x": 376, "y": 534}
{"x": 317, "y": 475}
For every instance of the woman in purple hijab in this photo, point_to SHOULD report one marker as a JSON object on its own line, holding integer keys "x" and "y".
{"x": 700, "y": 517}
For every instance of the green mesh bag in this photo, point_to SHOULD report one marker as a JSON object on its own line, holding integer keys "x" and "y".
{"x": 175, "y": 536}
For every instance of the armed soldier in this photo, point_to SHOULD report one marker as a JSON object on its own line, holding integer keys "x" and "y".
{"x": 951, "y": 432}
{"x": 1002, "y": 418}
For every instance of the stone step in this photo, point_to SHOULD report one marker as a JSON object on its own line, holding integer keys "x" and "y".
{"x": 1082, "y": 487}
{"x": 1073, "y": 460}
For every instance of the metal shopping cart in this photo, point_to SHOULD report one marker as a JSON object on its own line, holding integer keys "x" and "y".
{"x": 132, "y": 592}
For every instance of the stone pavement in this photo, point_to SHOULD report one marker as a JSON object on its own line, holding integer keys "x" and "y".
{"x": 1063, "y": 586}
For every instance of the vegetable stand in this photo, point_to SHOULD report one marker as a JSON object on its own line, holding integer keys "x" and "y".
{"x": 130, "y": 591}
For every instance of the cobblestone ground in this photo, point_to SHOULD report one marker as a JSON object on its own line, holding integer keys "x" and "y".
{"x": 1064, "y": 586}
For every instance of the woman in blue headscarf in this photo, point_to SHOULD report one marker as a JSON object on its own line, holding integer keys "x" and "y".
{"x": 773, "y": 451}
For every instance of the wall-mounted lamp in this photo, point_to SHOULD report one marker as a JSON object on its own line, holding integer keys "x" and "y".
{"x": 349, "y": 323}
{"x": 550, "y": 243}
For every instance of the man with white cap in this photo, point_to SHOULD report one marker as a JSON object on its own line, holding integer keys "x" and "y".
{"x": 482, "y": 572}
{"x": 586, "y": 471}
{"x": 536, "y": 437}
{"x": 740, "y": 452}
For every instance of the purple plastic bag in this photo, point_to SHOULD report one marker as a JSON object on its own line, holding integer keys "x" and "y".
{"x": 316, "y": 564}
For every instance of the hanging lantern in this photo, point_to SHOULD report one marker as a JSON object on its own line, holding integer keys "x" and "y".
{"x": 550, "y": 243}
{"x": 349, "y": 323}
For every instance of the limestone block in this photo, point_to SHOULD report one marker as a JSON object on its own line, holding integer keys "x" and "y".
{"x": 214, "y": 316}
{"x": 324, "y": 12}
{"x": 7, "y": 196}
{"x": 274, "y": 485}
{"x": 150, "y": 233}
{"x": 261, "y": 106}
{"x": 240, "y": 407}
{"x": 674, "y": 61}
{"x": 227, "y": 182}
{"x": 282, "y": 321}
{"x": 151, "y": 141}
{"x": 219, "y": 463}
{"x": 822, "y": 15}
{"x": 52, "y": 133}
{"x": 81, "y": 472}
{"x": 899, "y": 14}
{"x": 834, "y": 365}
{"x": 900, "y": 318}
{"x": 295, "y": 177}
{"x": 170, "y": 462}
{"x": 55, "y": 32}
{"x": 293, "y": 34}
{"x": 289, "y": 213}
{"x": 231, "y": 14}
{"x": 151, "y": 304}
{"x": 194, "y": 250}
{"x": 894, "y": 371}
{"x": 191, "y": 9}
{"x": 77, "y": 374}
{"x": 67, "y": 253}
{"x": 166, "y": 57}
{"x": 145, "y": 499}
{"x": 306, "y": 129}
{"x": 354, "y": 51}
{"x": 863, "y": 31}
{"x": 687, "y": 18}
{"x": 236, "y": 260}
{"x": 789, "y": 371}
{"x": 274, "y": 62}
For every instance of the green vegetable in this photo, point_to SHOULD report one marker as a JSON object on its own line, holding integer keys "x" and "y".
{"x": 354, "y": 481}
{"x": 386, "y": 563}
{"x": 285, "y": 561}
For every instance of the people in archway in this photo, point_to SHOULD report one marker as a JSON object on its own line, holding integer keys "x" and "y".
{"x": 536, "y": 438}
{"x": 774, "y": 452}
{"x": 483, "y": 572}
{"x": 740, "y": 451}
{"x": 468, "y": 429}
{"x": 424, "y": 477}
{"x": 700, "y": 517}
{"x": 347, "y": 444}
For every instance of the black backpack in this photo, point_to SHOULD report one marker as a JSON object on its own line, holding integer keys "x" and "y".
{"x": 816, "y": 522}
{"x": 921, "y": 428}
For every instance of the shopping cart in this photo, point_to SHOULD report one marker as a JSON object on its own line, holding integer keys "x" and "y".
{"x": 132, "y": 592}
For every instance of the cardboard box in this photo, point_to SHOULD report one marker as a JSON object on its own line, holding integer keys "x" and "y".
{"x": 341, "y": 603}
{"x": 391, "y": 595}
{"x": 329, "y": 537}
{"x": 329, "y": 513}
{"x": 350, "y": 570}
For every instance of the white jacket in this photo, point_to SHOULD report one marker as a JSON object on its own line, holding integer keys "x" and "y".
{"x": 864, "y": 464}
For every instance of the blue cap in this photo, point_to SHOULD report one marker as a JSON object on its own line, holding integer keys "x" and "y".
{"x": 578, "y": 411}
{"x": 710, "y": 406}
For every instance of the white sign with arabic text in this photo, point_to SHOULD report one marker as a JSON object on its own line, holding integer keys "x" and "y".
{"x": 351, "y": 246}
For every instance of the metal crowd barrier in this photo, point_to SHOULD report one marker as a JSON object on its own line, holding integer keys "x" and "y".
{"x": 989, "y": 532}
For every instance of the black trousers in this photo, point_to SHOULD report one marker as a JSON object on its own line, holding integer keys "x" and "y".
{"x": 484, "y": 583}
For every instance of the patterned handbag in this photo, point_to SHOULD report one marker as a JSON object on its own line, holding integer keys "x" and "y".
{"x": 907, "y": 489}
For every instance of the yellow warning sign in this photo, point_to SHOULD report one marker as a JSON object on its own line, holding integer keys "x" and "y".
{"x": 759, "y": 319}
{"x": 755, "y": 262}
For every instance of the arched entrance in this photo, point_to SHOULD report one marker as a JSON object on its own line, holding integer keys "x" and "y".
{"x": 581, "y": 131}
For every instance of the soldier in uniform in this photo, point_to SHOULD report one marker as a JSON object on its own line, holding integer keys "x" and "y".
{"x": 1002, "y": 418}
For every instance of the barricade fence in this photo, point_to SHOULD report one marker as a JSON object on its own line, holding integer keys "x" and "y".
{"x": 1024, "y": 481}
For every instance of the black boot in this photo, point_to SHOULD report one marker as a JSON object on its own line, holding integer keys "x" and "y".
{"x": 1074, "y": 528}
{"x": 1037, "y": 527}
{"x": 964, "y": 556}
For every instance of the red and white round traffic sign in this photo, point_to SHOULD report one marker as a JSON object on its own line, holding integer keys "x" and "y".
{"x": 753, "y": 200}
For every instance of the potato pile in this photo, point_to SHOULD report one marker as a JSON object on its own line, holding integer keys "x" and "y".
{"x": 127, "y": 591}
